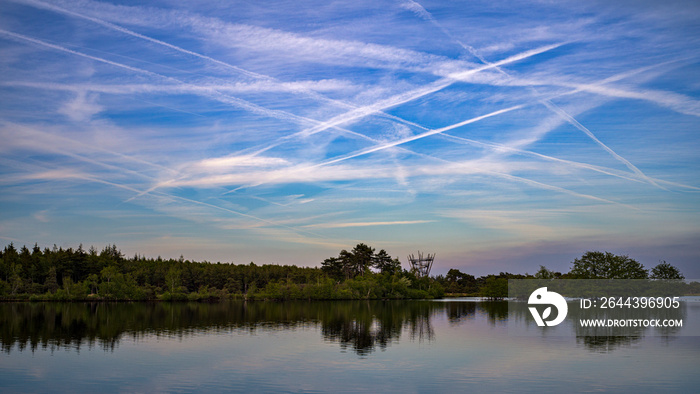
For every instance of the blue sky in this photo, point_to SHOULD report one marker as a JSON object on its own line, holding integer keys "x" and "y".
{"x": 499, "y": 135}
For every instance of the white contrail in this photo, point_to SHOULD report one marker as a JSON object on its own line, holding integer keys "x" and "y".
{"x": 493, "y": 173}
{"x": 456, "y": 169}
{"x": 392, "y": 144}
{"x": 556, "y": 188}
{"x": 296, "y": 230}
{"x": 570, "y": 119}
{"x": 152, "y": 189}
{"x": 546, "y": 102}
{"x": 305, "y": 90}
{"x": 603, "y": 170}
{"x": 64, "y": 175}
{"x": 497, "y": 174}
{"x": 411, "y": 95}
{"x": 352, "y": 115}
{"x": 674, "y": 101}
{"x": 419, "y": 10}
{"x": 64, "y": 49}
{"x": 277, "y": 114}
{"x": 40, "y": 4}
{"x": 255, "y": 109}
{"x": 90, "y": 178}
{"x": 209, "y": 92}
{"x": 416, "y": 137}
{"x": 414, "y": 6}
{"x": 500, "y": 147}
{"x": 42, "y": 136}
{"x": 212, "y": 93}
{"x": 287, "y": 116}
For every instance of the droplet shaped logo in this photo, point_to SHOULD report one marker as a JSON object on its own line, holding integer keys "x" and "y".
{"x": 543, "y": 297}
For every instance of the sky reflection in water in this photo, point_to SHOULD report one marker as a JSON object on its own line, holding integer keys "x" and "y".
{"x": 321, "y": 346}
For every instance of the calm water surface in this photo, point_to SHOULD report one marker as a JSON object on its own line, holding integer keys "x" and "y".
{"x": 401, "y": 346}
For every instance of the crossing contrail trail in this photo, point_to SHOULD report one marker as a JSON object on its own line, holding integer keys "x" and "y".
{"x": 417, "y": 137}
{"x": 318, "y": 128}
{"x": 255, "y": 75}
{"x": 493, "y": 173}
{"x": 90, "y": 178}
{"x": 354, "y": 114}
{"x": 411, "y": 95}
{"x": 46, "y": 136}
{"x": 350, "y": 116}
{"x": 421, "y": 11}
{"x": 570, "y": 119}
{"x": 40, "y": 4}
{"x": 211, "y": 93}
{"x": 360, "y": 112}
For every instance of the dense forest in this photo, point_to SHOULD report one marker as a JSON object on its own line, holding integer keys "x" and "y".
{"x": 79, "y": 274}
{"x": 361, "y": 273}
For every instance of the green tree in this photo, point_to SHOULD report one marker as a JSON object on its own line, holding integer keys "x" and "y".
{"x": 333, "y": 267}
{"x": 9, "y": 259}
{"x": 350, "y": 264}
{"x": 67, "y": 286}
{"x": 495, "y": 288}
{"x": 66, "y": 274}
{"x": 51, "y": 283}
{"x": 92, "y": 282}
{"x": 665, "y": 270}
{"x": 173, "y": 278}
{"x": 544, "y": 273}
{"x": 385, "y": 264}
{"x": 16, "y": 282}
{"x": 605, "y": 265}
{"x": 459, "y": 282}
{"x": 109, "y": 274}
{"x": 363, "y": 257}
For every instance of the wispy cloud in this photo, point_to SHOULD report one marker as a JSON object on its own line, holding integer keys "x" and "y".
{"x": 420, "y": 136}
{"x": 367, "y": 224}
{"x": 287, "y": 132}
{"x": 548, "y": 103}
{"x": 405, "y": 97}
{"x": 240, "y": 161}
{"x": 120, "y": 29}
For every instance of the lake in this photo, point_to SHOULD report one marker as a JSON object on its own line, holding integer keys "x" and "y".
{"x": 334, "y": 346}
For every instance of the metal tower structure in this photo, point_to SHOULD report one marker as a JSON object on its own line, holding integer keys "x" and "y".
{"x": 421, "y": 265}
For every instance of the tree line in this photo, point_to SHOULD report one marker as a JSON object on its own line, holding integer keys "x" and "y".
{"x": 79, "y": 274}
{"x": 361, "y": 273}
{"x": 591, "y": 265}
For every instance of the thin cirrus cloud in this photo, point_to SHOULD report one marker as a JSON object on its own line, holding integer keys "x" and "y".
{"x": 367, "y": 224}
{"x": 403, "y": 125}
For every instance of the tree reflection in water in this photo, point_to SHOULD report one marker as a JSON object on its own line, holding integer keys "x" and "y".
{"x": 460, "y": 311}
{"x": 606, "y": 344}
{"x": 361, "y": 326}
